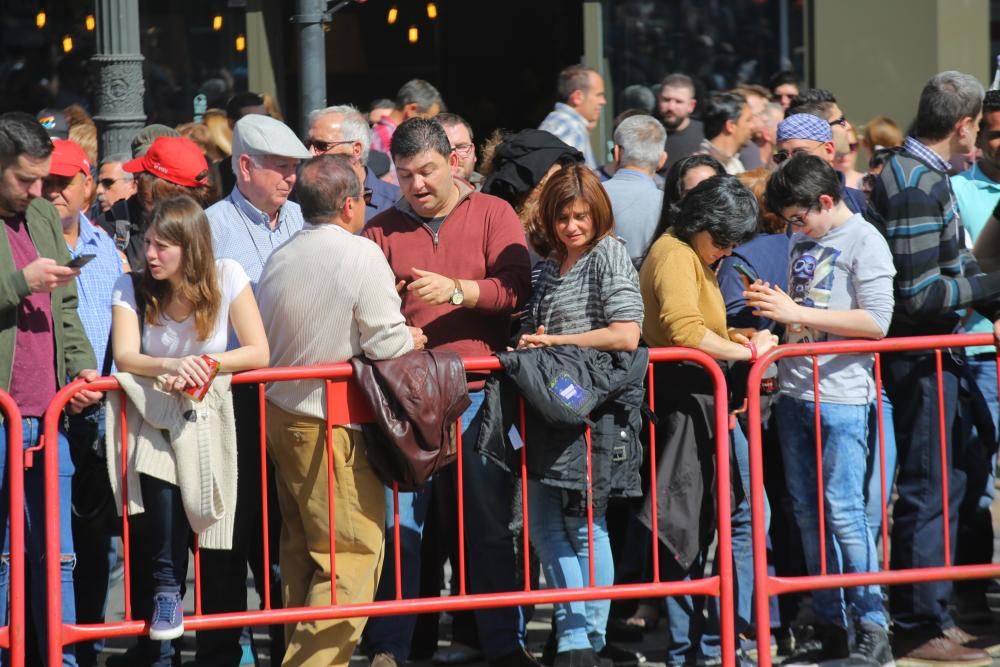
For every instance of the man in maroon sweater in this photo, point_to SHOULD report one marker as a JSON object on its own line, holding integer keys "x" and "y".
{"x": 462, "y": 268}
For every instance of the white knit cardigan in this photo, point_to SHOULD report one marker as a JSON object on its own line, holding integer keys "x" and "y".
{"x": 183, "y": 442}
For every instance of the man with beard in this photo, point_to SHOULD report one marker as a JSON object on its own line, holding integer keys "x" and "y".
{"x": 676, "y": 102}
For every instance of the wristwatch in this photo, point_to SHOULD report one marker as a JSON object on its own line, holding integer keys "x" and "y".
{"x": 458, "y": 296}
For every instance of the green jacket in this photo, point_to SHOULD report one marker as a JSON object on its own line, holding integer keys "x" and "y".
{"x": 73, "y": 350}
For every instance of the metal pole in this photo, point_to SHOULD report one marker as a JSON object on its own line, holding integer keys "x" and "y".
{"x": 118, "y": 65}
{"x": 312, "y": 58}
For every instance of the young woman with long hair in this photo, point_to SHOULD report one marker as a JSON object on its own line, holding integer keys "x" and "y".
{"x": 172, "y": 323}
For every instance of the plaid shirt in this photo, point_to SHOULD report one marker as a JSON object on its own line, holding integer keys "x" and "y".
{"x": 569, "y": 126}
{"x": 926, "y": 154}
{"x": 94, "y": 285}
{"x": 240, "y": 231}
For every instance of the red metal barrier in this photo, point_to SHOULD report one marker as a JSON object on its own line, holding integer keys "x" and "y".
{"x": 765, "y": 585}
{"x": 345, "y": 406}
{"x": 12, "y": 635}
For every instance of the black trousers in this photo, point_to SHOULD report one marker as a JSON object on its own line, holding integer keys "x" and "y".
{"x": 223, "y": 573}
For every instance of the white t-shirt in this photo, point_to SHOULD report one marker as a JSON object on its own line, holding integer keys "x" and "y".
{"x": 178, "y": 339}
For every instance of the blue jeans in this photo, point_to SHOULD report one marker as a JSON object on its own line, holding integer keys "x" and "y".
{"x": 978, "y": 424}
{"x": 490, "y": 565}
{"x": 849, "y": 544}
{"x": 686, "y": 628}
{"x": 873, "y": 472}
{"x": 34, "y": 536}
{"x": 917, "y": 519}
{"x": 561, "y": 543}
{"x": 96, "y": 553}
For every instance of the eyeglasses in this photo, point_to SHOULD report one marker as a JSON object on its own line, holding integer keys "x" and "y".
{"x": 465, "y": 150}
{"x": 842, "y": 121}
{"x": 798, "y": 220}
{"x": 367, "y": 196}
{"x": 325, "y": 146}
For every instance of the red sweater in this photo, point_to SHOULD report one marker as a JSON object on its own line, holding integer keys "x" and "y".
{"x": 482, "y": 240}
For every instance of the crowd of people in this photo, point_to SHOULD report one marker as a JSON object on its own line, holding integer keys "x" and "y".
{"x": 729, "y": 224}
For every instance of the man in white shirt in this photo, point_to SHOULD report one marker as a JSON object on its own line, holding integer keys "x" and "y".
{"x": 321, "y": 264}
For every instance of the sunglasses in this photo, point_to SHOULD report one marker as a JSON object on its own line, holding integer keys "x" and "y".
{"x": 781, "y": 156}
{"x": 325, "y": 146}
{"x": 842, "y": 121}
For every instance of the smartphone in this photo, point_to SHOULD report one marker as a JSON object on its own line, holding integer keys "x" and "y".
{"x": 80, "y": 261}
{"x": 746, "y": 275}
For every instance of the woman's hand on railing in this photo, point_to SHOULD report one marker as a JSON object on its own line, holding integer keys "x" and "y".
{"x": 764, "y": 341}
{"x": 192, "y": 369}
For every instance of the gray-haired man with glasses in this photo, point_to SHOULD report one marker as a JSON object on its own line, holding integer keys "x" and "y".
{"x": 342, "y": 130}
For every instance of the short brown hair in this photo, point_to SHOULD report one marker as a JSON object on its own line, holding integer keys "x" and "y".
{"x": 573, "y": 78}
{"x": 572, "y": 182}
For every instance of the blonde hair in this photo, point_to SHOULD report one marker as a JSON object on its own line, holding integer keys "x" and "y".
{"x": 182, "y": 222}
{"x": 218, "y": 127}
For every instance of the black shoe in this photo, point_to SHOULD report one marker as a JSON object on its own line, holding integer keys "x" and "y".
{"x": 871, "y": 645}
{"x": 621, "y": 657}
{"x": 620, "y": 631}
{"x": 581, "y": 658}
{"x": 518, "y": 658}
{"x": 828, "y": 642}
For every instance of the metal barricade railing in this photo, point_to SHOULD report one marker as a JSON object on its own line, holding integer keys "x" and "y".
{"x": 346, "y": 406}
{"x": 766, "y": 585}
{"x": 12, "y": 635}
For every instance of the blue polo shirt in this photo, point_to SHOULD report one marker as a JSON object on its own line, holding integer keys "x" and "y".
{"x": 977, "y": 195}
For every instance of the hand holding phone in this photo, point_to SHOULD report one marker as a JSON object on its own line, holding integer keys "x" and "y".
{"x": 78, "y": 262}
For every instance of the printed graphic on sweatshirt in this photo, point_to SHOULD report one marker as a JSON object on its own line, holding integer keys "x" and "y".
{"x": 810, "y": 282}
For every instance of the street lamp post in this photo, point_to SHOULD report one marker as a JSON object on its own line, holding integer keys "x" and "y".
{"x": 310, "y": 15}
{"x": 118, "y": 65}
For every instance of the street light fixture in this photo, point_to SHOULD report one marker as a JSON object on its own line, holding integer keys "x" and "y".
{"x": 40, "y": 19}
{"x": 241, "y": 43}
{"x": 393, "y": 15}
{"x": 413, "y": 34}
{"x": 90, "y": 23}
{"x": 432, "y": 10}
{"x": 217, "y": 22}
{"x": 67, "y": 44}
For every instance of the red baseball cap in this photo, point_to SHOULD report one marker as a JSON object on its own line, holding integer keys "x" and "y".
{"x": 68, "y": 159}
{"x": 173, "y": 159}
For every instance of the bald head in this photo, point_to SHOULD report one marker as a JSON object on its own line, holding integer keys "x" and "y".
{"x": 329, "y": 192}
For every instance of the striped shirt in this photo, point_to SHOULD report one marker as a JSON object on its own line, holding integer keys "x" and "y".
{"x": 601, "y": 288}
{"x": 569, "y": 126}
{"x": 95, "y": 283}
{"x": 240, "y": 231}
{"x": 936, "y": 276}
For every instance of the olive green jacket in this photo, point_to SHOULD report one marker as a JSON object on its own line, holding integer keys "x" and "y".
{"x": 73, "y": 350}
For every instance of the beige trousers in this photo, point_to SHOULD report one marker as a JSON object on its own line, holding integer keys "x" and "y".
{"x": 297, "y": 446}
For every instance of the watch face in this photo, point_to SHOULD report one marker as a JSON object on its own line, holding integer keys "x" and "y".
{"x": 457, "y": 297}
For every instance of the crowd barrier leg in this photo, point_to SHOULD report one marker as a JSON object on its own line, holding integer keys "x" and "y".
{"x": 12, "y": 636}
